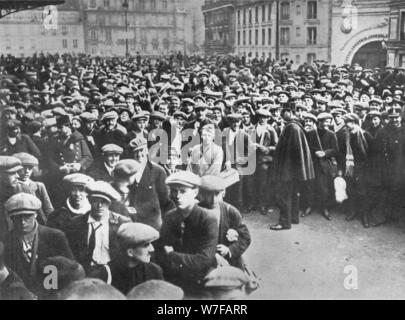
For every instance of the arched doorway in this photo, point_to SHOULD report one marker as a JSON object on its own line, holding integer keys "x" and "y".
{"x": 371, "y": 55}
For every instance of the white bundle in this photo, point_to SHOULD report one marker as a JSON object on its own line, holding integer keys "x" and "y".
{"x": 340, "y": 189}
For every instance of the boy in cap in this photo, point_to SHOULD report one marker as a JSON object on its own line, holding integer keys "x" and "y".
{"x": 37, "y": 188}
{"x": 93, "y": 236}
{"x": 30, "y": 243}
{"x": 76, "y": 203}
{"x": 103, "y": 168}
{"x": 134, "y": 265}
{"x": 189, "y": 235}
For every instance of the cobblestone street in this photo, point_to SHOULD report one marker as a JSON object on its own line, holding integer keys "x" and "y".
{"x": 308, "y": 261}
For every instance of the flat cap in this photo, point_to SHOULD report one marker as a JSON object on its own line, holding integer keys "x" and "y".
{"x": 133, "y": 233}
{"x": 102, "y": 189}
{"x": 226, "y": 278}
{"x": 188, "y": 101}
{"x": 26, "y": 159}
{"x": 91, "y": 289}
{"x": 13, "y": 123}
{"x": 112, "y": 148}
{"x": 138, "y": 143}
{"x": 201, "y": 105}
{"x": 156, "y": 290}
{"x": 87, "y": 116}
{"x": 263, "y": 113}
{"x": 234, "y": 117}
{"x": 140, "y": 115}
{"x": 157, "y": 115}
{"x": 374, "y": 113}
{"x": 324, "y": 116}
{"x": 109, "y": 115}
{"x": 338, "y": 111}
{"x": 351, "y": 117}
{"x": 49, "y": 122}
{"x": 184, "y": 178}
{"x": 10, "y": 164}
{"x": 212, "y": 183}
{"x": 309, "y": 115}
{"x": 77, "y": 179}
{"x": 180, "y": 114}
{"x": 22, "y": 204}
{"x": 126, "y": 167}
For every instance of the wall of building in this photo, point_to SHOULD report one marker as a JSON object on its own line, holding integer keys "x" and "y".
{"x": 396, "y": 43}
{"x": 28, "y": 32}
{"x": 298, "y": 48}
{"x": 356, "y": 26}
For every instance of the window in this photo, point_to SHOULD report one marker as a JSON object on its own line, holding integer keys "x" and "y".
{"x": 153, "y": 4}
{"x": 298, "y": 9}
{"x": 269, "y": 13}
{"x": 244, "y": 37}
{"x": 250, "y": 16}
{"x": 263, "y": 13}
{"x": 64, "y": 43}
{"x": 285, "y": 11}
{"x": 108, "y": 36}
{"x": 164, "y": 3}
{"x": 263, "y": 37}
{"x": 257, "y": 14}
{"x": 256, "y": 37}
{"x": 244, "y": 16}
{"x": 106, "y": 3}
{"x": 250, "y": 37}
{"x": 402, "y": 60}
{"x": 238, "y": 38}
{"x": 284, "y": 36}
{"x": 403, "y": 25}
{"x": 93, "y": 34}
{"x": 312, "y": 35}
{"x": 92, "y": 4}
{"x": 312, "y": 10}
{"x": 269, "y": 36}
{"x": 298, "y": 32}
{"x": 142, "y": 4}
{"x": 75, "y": 45}
{"x": 311, "y": 57}
{"x": 298, "y": 59}
{"x": 238, "y": 17}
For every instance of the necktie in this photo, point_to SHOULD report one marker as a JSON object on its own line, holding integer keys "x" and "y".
{"x": 92, "y": 242}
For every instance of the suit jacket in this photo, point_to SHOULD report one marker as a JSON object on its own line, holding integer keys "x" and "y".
{"x": 78, "y": 233}
{"x": 98, "y": 172}
{"x": 194, "y": 240}
{"x": 268, "y": 141}
{"x": 232, "y": 219}
{"x": 150, "y": 196}
{"x": 50, "y": 243}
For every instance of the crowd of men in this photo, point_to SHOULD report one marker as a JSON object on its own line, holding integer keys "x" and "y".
{"x": 130, "y": 175}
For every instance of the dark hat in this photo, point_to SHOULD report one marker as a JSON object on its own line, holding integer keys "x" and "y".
{"x": 226, "y": 278}
{"x": 88, "y": 117}
{"x": 136, "y": 234}
{"x": 10, "y": 164}
{"x": 102, "y": 189}
{"x": 91, "y": 289}
{"x": 189, "y": 101}
{"x": 374, "y": 113}
{"x": 338, "y": 111}
{"x": 26, "y": 159}
{"x": 184, "y": 178}
{"x": 111, "y": 149}
{"x": 63, "y": 121}
{"x": 156, "y": 290}
{"x": 77, "y": 179}
{"x": 126, "y": 167}
{"x": 22, "y": 204}
{"x": 138, "y": 143}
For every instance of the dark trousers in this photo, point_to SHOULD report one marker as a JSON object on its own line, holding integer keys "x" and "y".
{"x": 257, "y": 190}
{"x": 234, "y": 194}
{"x": 288, "y": 202}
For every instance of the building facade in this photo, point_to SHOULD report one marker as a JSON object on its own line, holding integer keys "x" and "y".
{"x": 360, "y": 32}
{"x": 304, "y": 29}
{"x": 219, "y": 19}
{"x": 49, "y": 30}
{"x": 396, "y": 41}
{"x": 150, "y": 27}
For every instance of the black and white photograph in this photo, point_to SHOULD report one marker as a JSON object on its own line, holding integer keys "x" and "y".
{"x": 203, "y": 150}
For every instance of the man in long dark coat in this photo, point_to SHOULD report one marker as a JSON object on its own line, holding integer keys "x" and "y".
{"x": 292, "y": 166}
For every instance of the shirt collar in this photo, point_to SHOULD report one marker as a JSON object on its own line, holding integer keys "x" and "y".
{"x": 91, "y": 220}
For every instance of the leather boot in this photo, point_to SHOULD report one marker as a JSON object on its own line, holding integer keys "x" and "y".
{"x": 351, "y": 216}
{"x": 327, "y": 215}
{"x": 365, "y": 220}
